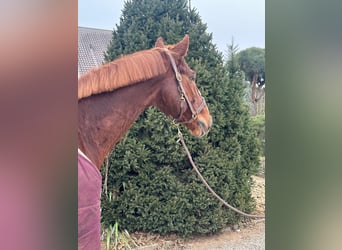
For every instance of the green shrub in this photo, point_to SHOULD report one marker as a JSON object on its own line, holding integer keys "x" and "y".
{"x": 259, "y": 126}
{"x": 154, "y": 187}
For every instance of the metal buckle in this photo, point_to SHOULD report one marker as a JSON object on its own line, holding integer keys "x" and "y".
{"x": 178, "y": 76}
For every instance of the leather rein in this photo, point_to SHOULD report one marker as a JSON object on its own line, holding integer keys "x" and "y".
{"x": 184, "y": 97}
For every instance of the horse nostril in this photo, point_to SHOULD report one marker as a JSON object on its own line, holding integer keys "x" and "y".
{"x": 210, "y": 122}
{"x": 203, "y": 126}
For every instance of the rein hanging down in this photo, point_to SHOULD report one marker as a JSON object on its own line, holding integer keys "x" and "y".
{"x": 181, "y": 139}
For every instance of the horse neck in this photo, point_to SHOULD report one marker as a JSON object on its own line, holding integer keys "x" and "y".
{"x": 103, "y": 119}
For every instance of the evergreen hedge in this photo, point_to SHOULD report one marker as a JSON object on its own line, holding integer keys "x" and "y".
{"x": 153, "y": 185}
{"x": 258, "y": 123}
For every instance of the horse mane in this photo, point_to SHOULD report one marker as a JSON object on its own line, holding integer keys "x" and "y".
{"x": 125, "y": 71}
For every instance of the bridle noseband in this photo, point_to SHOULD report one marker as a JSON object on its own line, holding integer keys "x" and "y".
{"x": 184, "y": 97}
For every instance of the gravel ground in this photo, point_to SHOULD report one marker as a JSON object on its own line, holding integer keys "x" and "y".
{"x": 250, "y": 238}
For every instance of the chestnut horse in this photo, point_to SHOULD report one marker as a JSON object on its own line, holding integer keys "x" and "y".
{"x": 110, "y": 99}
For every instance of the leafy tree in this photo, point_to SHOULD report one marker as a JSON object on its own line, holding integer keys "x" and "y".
{"x": 252, "y": 63}
{"x": 153, "y": 185}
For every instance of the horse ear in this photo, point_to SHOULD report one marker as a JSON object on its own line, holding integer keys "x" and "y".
{"x": 159, "y": 43}
{"x": 181, "y": 48}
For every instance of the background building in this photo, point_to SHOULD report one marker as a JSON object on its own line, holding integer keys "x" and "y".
{"x": 92, "y": 44}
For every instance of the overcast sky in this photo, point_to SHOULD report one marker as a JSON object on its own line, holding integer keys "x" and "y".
{"x": 242, "y": 19}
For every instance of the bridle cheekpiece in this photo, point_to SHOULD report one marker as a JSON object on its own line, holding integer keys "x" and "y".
{"x": 184, "y": 97}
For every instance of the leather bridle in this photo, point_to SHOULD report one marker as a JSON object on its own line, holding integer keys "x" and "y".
{"x": 184, "y": 97}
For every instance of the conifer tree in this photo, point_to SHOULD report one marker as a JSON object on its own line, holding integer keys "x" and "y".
{"x": 153, "y": 185}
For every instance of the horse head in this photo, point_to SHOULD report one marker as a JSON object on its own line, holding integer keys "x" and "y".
{"x": 180, "y": 97}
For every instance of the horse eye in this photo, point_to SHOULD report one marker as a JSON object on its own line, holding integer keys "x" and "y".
{"x": 192, "y": 78}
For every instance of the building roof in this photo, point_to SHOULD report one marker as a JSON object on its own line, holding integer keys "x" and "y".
{"x": 92, "y": 44}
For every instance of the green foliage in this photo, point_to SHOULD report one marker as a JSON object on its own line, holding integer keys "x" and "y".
{"x": 154, "y": 188}
{"x": 252, "y": 61}
{"x": 116, "y": 239}
{"x": 258, "y": 122}
{"x": 233, "y": 66}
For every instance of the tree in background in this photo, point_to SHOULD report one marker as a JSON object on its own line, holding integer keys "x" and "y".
{"x": 233, "y": 66}
{"x": 252, "y": 63}
{"x": 151, "y": 181}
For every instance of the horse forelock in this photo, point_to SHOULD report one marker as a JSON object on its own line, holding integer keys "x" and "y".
{"x": 122, "y": 72}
